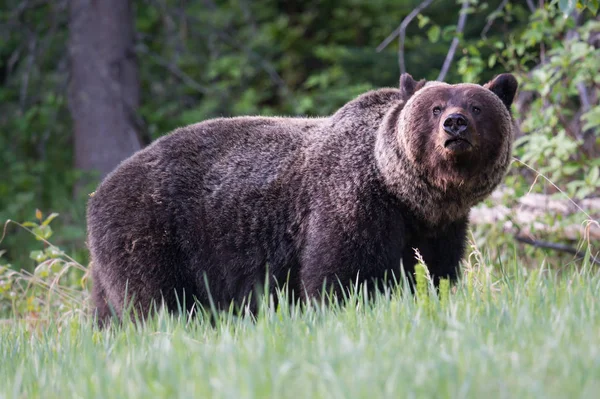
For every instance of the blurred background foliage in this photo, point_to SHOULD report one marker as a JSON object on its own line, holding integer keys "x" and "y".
{"x": 210, "y": 58}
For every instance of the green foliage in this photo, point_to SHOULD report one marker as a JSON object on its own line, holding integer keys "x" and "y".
{"x": 56, "y": 285}
{"x": 429, "y": 299}
{"x": 553, "y": 138}
{"x": 554, "y": 59}
{"x": 444, "y": 290}
{"x": 568, "y": 6}
{"x": 422, "y": 284}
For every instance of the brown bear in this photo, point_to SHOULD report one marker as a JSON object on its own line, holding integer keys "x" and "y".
{"x": 209, "y": 211}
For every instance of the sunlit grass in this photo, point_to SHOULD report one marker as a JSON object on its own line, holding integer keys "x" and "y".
{"x": 523, "y": 332}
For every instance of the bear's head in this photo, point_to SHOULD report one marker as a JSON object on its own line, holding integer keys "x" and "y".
{"x": 458, "y": 135}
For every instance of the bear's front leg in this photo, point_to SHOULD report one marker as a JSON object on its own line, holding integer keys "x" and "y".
{"x": 327, "y": 266}
{"x": 441, "y": 251}
{"x": 337, "y": 256}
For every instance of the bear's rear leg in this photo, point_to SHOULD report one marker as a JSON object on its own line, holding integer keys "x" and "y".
{"x": 102, "y": 309}
{"x": 138, "y": 297}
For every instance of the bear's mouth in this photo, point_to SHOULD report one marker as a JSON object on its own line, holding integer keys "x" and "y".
{"x": 458, "y": 144}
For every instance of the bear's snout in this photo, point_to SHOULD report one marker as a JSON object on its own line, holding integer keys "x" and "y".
{"x": 456, "y": 135}
{"x": 456, "y": 124}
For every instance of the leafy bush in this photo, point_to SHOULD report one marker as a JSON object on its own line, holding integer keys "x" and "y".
{"x": 56, "y": 285}
{"x": 556, "y": 59}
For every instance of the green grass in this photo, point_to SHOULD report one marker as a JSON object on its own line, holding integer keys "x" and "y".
{"x": 526, "y": 334}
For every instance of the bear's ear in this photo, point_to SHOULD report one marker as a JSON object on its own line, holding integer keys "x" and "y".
{"x": 504, "y": 86}
{"x": 408, "y": 86}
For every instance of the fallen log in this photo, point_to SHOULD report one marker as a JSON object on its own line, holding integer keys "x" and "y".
{"x": 536, "y": 214}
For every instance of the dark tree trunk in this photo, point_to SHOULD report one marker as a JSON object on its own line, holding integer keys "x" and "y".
{"x": 104, "y": 89}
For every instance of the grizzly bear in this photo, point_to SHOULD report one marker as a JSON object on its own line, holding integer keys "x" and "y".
{"x": 214, "y": 210}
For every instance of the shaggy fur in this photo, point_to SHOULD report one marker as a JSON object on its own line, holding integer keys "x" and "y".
{"x": 206, "y": 212}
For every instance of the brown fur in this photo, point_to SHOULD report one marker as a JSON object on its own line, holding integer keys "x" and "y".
{"x": 211, "y": 209}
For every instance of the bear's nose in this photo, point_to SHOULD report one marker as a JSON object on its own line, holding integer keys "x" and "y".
{"x": 455, "y": 124}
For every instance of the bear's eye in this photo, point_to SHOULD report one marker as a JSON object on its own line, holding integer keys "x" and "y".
{"x": 476, "y": 110}
{"x": 437, "y": 110}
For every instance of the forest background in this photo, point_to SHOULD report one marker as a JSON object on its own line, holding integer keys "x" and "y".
{"x": 84, "y": 84}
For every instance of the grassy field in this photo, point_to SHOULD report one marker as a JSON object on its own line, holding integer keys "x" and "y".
{"x": 516, "y": 333}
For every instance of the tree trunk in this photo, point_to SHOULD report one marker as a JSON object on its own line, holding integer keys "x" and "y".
{"x": 104, "y": 88}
